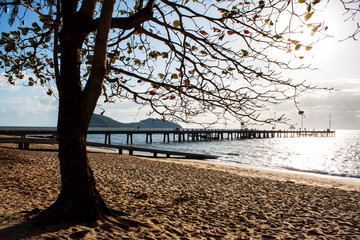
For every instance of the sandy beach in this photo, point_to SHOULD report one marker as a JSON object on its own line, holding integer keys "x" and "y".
{"x": 178, "y": 199}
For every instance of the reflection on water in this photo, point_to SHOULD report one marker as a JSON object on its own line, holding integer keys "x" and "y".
{"x": 338, "y": 156}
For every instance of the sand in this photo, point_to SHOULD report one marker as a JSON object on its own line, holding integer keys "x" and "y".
{"x": 178, "y": 199}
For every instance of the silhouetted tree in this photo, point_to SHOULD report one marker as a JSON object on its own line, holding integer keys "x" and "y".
{"x": 182, "y": 58}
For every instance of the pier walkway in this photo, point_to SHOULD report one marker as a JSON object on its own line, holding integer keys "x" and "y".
{"x": 179, "y": 135}
{"x": 38, "y": 135}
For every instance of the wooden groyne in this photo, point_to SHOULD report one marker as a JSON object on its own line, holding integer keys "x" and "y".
{"x": 24, "y": 143}
{"x": 177, "y": 135}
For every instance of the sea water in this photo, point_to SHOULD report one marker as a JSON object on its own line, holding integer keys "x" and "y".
{"x": 334, "y": 156}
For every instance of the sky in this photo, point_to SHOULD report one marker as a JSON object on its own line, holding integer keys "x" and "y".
{"x": 337, "y": 64}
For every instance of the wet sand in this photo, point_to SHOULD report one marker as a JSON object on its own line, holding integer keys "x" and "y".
{"x": 178, "y": 199}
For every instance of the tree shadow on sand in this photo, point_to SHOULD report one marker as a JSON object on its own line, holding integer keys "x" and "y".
{"x": 27, "y": 224}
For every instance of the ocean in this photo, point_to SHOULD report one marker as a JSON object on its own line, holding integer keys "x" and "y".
{"x": 332, "y": 156}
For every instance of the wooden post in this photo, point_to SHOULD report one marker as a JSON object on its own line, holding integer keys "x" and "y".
{"x": 129, "y": 136}
{"x": 148, "y": 136}
{"x": 107, "y": 138}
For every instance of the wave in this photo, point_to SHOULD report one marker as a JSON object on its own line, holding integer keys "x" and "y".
{"x": 320, "y": 172}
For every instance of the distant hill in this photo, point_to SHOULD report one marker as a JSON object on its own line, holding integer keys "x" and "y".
{"x": 106, "y": 122}
{"x": 103, "y": 121}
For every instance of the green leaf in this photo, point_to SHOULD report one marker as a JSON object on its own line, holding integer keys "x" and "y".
{"x": 261, "y": 4}
{"x": 302, "y": 1}
{"x": 137, "y": 62}
{"x": 154, "y": 54}
{"x": 174, "y": 76}
{"x": 35, "y": 25}
{"x": 297, "y": 47}
{"x": 15, "y": 34}
{"x": 165, "y": 55}
{"x": 191, "y": 71}
{"x": 161, "y": 75}
{"x": 309, "y": 8}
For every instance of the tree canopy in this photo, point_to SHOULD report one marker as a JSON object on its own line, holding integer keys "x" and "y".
{"x": 182, "y": 58}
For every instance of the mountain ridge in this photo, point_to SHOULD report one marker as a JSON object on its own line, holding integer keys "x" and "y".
{"x": 107, "y": 122}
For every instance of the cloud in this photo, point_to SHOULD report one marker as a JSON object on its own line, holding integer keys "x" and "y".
{"x": 342, "y": 105}
{"x": 28, "y": 111}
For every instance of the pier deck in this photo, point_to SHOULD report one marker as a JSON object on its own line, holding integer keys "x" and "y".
{"x": 179, "y": 135}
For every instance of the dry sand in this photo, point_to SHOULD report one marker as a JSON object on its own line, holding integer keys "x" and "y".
{"x": 179, "y": 199}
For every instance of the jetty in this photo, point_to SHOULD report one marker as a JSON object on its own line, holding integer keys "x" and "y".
{"x": 179, "y": 135}
{"x": 38, "y": 135}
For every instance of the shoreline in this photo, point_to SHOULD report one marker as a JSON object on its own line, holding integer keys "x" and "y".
{"x": 179, "y": 199}
{"x": 349, "y": 183}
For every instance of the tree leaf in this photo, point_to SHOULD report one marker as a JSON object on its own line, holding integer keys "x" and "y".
{"x": 261, "y": 4}
{"x": 203, "y": 33}
{"x": 308, "y": 16}
{"x": 297, "y": 47}
{"x": 308, "y": 48}
{"x": 176, "y": 23}
{"x": 309, "y": 7}
{"x": 302, "y": 1}
{"x": 216, "y": 30}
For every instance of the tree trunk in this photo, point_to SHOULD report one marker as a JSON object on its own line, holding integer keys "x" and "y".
{"x": 79, "y": 200}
